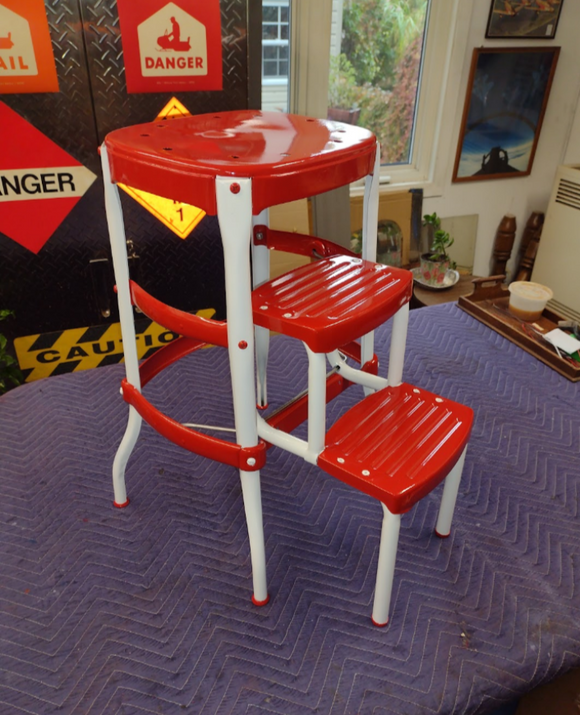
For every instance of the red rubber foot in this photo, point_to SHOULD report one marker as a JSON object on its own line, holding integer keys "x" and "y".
{"x": 120, "y": 506}
{"x": 441, "y": 536}
{"x": 262, "y": 407}
{"x": 260, "y": 603}
{"x": 379, "y": 625}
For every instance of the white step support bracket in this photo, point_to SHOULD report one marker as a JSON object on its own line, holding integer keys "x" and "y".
{"x": 337, "y": 360}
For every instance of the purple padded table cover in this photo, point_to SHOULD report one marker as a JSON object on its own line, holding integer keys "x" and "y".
{"x": 147, "y": 609}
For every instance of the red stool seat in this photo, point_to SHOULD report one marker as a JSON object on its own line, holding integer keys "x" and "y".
{"x": 287, "y": 156}
{"x": 331, "y": 302}
{"x": 397, "y": 444}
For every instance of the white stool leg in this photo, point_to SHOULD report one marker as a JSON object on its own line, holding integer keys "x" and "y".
{"x": 122, "y": 457}
{"x": 121, "y": 267}
{"x": 386, "y": 566}
{"x": 262, "y": 350}
{"x": 234, "y": 205}
{"x": 450, "y": 490}
{"x": 253, "y": 509}
{"x": 316, "y": 404}
{"x": 371, "y": 211}
{"x": 398, "y": 344}
{"x": 369, "y": 243}
{"x": 260, "y": 274}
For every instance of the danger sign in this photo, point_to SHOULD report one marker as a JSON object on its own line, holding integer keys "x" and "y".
{"x": 34, "y": 168}
{"x": 171, "y": 46}
{"x": 26, "y": 57}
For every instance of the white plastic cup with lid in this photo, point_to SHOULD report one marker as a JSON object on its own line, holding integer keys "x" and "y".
{"x": 528, "y": 300}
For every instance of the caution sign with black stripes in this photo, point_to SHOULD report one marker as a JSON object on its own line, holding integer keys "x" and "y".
{"x": 77, "y": 349}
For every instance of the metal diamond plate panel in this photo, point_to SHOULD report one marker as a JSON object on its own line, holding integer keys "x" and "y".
{"x": 70, "y": 282}
{"x": 115, "y": 108}
{"x": 66, "y": 116}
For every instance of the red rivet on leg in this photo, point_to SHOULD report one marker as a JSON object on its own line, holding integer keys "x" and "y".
{"x": 242, "y": 344}
{"x": 235, "y": 188}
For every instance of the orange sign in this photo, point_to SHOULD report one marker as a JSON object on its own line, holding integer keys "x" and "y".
{"x": 26, "y": 57}
{"x": 179, "y": 217}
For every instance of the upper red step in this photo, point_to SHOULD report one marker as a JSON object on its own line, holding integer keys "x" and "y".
{"x": 332, "y": 301}
{"x": 397, "y": 444}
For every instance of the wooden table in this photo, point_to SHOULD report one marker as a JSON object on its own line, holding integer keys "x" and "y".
{"x": 424, "y": 296}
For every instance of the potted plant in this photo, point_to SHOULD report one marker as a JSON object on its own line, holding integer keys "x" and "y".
{"x": 436, "y": 262}
{"x": 10, "y": 375}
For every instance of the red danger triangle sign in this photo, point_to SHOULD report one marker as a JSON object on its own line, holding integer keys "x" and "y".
{"x": 39, "y": 182}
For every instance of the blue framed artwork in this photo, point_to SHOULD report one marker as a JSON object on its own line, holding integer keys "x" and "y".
{"x": 506, "y": 100}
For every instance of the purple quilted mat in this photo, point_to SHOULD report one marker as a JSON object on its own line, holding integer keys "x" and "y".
{"x": 147, "y": 609}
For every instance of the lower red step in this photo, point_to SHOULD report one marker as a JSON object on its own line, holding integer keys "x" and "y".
{"x": 397, "y": 444}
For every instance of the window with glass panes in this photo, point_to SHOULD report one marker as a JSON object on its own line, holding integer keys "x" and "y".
{"x": 275, "y": 36}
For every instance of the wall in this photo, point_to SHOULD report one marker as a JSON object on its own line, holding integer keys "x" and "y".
{"x": 559, "y": 139}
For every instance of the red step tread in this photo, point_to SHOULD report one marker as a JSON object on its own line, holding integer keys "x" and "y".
{"x": 332, "y": 301}
{"x": 397, "y": 444}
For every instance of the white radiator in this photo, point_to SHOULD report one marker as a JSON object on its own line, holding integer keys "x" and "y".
{"x": 557, "y": 263}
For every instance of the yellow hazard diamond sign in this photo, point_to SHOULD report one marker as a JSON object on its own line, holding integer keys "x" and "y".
{"x": 173, "y": 109}
{"x": 178, "y": 217}
{"x": 77, "y": 349}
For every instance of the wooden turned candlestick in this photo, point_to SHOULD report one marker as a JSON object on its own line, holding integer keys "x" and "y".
{"x": 504, "y": 242}
{"x": 529, "y": 246}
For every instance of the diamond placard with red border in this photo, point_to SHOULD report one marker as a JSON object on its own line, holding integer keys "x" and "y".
{"x": 40, "y": 183}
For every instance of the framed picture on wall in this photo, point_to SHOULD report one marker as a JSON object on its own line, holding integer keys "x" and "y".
{"x": 506, "y": 99}
{"x": 523, "y": 19}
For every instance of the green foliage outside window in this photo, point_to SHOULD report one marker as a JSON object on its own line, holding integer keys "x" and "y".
{"x": 378, "y": 69}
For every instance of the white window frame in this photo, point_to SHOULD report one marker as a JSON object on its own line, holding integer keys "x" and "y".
{"x": 280, "y": 79}
{"x": 441, "y": 71}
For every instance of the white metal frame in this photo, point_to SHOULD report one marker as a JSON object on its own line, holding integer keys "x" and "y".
{"x": 311, "y": 448}
{"x": 121, "y": 268}
{"x": 234, "y": 209}
{"x": 234, "y": 202}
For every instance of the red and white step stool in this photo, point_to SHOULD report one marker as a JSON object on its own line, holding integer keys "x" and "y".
{"x": 399, "y": 442}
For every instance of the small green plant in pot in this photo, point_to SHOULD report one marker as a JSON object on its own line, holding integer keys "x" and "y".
{"x": 436, "y": 262}
{"x": 10, "y": 375}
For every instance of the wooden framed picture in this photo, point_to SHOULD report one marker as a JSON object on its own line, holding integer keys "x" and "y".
{"x": 523, "y": 19}
{"x": 506, "y": 100}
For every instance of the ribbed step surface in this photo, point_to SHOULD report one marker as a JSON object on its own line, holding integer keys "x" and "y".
{"x": 397, "y": 444}
{"x": 332, "y": 301}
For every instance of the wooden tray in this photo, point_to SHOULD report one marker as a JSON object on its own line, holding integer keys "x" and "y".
{"x": 489, "y": 304}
